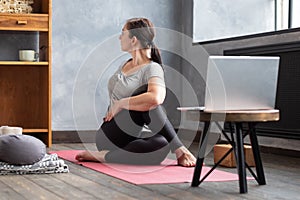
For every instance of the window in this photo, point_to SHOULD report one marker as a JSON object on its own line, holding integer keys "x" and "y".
{"x": 282, "y": 14}
{"x": 288, "y": 14}
{"x": 294, "y": 13}
{"x": 219, "y": 19}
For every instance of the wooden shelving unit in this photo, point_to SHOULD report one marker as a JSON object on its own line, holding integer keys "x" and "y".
{"x": 25, "y": 87}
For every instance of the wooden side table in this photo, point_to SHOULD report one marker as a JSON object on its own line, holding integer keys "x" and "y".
{"x": 237, "y": 121}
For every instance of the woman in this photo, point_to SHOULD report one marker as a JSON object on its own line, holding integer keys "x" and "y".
{"x": 137, "y": 90}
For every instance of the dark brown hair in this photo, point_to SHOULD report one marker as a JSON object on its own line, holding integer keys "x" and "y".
{"x": 143, "y": 30}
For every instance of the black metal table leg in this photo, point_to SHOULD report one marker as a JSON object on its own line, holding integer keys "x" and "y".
{"x": 240, "y": 158}
{"x": 201, "y": 155}
{"x": 256, "y": 154}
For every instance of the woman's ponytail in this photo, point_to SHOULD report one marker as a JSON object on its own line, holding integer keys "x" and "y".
{"x": 155, "y": 54}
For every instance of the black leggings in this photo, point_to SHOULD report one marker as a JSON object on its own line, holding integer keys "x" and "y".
{"x": 127, "y": 143}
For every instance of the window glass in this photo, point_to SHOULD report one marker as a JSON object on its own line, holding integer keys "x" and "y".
{"x": 295, "y": 14}
{"x": 282, "y": 14}
{"x": 218, "y": 19}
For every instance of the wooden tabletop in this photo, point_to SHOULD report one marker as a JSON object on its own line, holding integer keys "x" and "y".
{"x": 234, "y": 115}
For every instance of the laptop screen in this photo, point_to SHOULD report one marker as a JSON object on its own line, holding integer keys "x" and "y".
{"x": 241, "y": 82}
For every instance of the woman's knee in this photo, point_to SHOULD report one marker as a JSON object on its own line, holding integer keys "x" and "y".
{"x": 159, "y": 141}
{"x": 102, "y": 142}
{"x": 148, "y": 145}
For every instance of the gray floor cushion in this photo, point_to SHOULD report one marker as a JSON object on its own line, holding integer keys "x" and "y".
{"x": 21, "y": 149}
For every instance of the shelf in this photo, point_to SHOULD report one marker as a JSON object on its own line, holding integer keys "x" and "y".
{"x": 35, "y": 130}
{"x": 24, "y": 15}
{"x": 23, "y": 63}
{"x": 24, "y": 22}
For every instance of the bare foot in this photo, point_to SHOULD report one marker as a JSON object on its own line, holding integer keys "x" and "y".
{"x": 184, "y": 157}
{"x": 95, "y": 156}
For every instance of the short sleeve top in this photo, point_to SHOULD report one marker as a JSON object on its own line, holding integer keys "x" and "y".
{"x": 122, "y": 86}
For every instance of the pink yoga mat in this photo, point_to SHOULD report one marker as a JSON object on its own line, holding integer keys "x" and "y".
{"x": 167, "y": 172}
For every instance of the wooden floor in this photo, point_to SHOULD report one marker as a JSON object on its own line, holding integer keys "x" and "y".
{"x": 282, "y": 174}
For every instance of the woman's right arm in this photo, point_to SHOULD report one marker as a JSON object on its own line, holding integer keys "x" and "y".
{"x": 154, "y": 96}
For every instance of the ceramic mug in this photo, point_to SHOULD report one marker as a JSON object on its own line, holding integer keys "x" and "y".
{"x": 28, "y": 55}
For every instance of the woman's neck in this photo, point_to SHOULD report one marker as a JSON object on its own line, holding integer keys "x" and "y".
{"x": 140, "y": 57}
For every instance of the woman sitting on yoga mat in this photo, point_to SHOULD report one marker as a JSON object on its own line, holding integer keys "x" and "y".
{"x": 136, "y": 91}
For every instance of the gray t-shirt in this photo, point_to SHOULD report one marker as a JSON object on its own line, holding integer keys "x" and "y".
{"x": 122, "y": 86}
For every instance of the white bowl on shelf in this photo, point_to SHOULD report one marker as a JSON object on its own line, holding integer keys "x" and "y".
{"x": 9, "y": 130}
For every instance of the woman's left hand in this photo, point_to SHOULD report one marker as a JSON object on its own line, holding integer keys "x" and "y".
{"x": 114, "y": 109}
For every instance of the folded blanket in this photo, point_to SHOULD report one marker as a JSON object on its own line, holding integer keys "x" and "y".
{"x": 49, "y": 164}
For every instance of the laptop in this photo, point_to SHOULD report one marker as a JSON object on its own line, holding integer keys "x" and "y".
{"x": 240, "y": 83}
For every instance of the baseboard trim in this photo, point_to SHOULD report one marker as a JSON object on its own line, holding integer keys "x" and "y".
{"x": 73, "y": 136}
{"x": 89, "y": 137}
{"x": 280, "y": 151}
